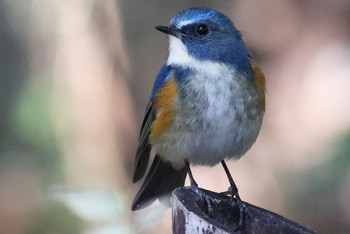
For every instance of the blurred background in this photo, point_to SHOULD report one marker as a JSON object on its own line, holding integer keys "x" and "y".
{"x": 75, "y": 77}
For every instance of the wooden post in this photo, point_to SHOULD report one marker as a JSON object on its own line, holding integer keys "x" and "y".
{"x": 190, "y": 216}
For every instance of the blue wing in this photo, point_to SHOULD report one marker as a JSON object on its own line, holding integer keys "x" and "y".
{"x": 144, "y": 148}
{"x": 163, "y": 75}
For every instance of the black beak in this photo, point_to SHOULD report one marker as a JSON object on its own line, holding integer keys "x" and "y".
{"x": 169, "y": 30}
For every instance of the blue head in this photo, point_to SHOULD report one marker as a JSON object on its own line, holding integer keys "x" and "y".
{"x": 201, "y": 34}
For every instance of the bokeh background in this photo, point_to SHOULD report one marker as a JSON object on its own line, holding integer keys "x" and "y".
{"x": 75, "y": 77}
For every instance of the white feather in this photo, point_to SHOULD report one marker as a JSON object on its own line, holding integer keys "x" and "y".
{"x": 178, "y": 55}
{"x": 184, "y": 23}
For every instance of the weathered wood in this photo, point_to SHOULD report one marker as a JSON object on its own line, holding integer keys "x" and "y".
{"x": 191, "y": 216}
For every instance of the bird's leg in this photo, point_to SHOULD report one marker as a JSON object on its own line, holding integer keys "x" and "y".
{"x": 192, "y": 181}
{"x": 233, "y": 191}
{"x": 199, "y": 191}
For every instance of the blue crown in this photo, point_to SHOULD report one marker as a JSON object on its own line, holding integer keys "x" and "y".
{"x": 197, "y": 15}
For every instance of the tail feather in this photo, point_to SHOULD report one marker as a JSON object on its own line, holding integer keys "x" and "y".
{"x": 160, "y": 181}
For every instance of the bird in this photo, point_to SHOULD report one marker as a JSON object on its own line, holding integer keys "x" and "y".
{"x": 206, "y": 106}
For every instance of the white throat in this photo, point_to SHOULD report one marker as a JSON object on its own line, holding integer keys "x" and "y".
{"x": 178, "y": 55}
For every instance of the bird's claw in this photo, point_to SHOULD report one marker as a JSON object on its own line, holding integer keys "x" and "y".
{"x": 242, "y": 208}
{"x": 208, "y": 200}
{"x": 235, "y": 198}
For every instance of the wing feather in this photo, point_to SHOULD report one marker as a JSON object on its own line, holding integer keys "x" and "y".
{"x": 144, "y": 148}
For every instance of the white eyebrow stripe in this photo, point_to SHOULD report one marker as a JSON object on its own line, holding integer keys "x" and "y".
{"x": 184, "y": 23}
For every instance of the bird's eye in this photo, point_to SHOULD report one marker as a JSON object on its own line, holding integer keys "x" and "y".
{"x": 202, "y": 29}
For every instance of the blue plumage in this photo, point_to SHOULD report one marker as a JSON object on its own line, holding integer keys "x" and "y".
{"x": 163, "y": 75}
{"x": 201, "y": 14}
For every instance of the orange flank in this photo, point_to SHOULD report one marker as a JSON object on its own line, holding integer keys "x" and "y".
{"x": 260, "y": 81}
{"x": 164, "y": 101}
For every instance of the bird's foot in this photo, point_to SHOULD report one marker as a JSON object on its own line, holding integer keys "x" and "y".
{"x": 200, "y": 192}
{"x": 235, "y": 198}
{"x": 206, "y": 199}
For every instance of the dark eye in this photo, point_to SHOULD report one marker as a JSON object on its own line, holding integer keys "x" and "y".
{"x": 202, "y": 29}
